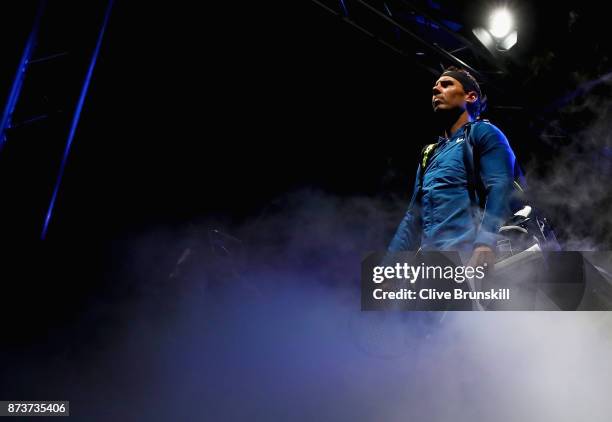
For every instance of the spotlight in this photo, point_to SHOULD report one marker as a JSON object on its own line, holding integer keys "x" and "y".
{"x": 500, "y": 35}
{"x": 501, "y": 23}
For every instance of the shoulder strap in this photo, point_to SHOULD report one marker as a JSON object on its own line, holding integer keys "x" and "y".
{"x": 425, "y": 154}
{"x": 470, "y": 160}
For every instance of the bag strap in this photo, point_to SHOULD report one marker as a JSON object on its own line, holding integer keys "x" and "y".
{"x": 472, "y": 170}
{"x": 426, "y": 154}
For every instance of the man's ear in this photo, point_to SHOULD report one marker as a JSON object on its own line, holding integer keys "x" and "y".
{"x": 471, "y": 97}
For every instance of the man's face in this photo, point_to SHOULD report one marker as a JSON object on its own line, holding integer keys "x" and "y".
{"x": 448, "y": 94}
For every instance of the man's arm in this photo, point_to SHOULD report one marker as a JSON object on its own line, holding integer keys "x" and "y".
{"x": 496, "y": 161}
{"x": 408, "y": 234}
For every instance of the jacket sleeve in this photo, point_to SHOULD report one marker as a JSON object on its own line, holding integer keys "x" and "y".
{"x": 496, "y": 163}
{"x": 408, "y": 234}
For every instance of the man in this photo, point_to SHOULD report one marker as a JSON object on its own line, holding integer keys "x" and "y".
{"x": 442, "y": 214}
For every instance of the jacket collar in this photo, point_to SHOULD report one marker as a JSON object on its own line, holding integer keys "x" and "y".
{"x": 442, "y": 139}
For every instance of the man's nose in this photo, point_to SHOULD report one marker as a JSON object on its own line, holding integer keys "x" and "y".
{"x": 436, "y": 89}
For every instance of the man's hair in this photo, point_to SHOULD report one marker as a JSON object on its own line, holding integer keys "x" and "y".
{"x": 478, "y": 106}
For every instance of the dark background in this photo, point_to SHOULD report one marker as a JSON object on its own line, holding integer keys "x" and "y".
{"x": 190, "y": 114}
{"x": 212, "y": 113}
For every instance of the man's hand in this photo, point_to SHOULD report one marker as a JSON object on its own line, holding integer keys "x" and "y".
{"x": 482, "y": 255}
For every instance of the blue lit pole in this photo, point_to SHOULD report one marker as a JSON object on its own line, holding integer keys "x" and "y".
{"x": 75, "y": 120}
{"x": 21, "y": 70}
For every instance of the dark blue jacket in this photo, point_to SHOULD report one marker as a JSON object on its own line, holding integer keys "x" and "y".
{"x": 441, "y": 215}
